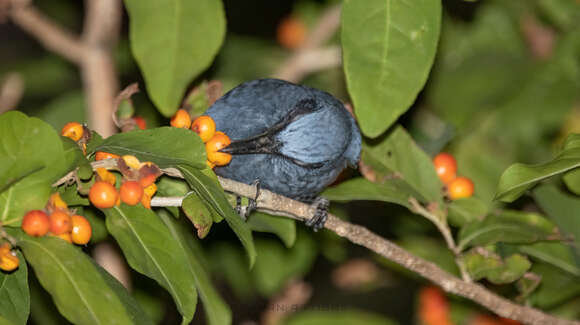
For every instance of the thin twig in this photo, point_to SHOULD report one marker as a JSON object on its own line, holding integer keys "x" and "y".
{"x": 443, "y": 228}
{"x": 48, "y": 33}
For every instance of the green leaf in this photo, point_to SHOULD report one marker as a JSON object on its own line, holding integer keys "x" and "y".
{"x": 284, "y": 228}
{"x": 356, "y": 189}
{"x": 556, "y": 287}
{"x": 277, "y": 264}
{"x": 169, "y": 186}
{"x": 556, "y": 254}
{"x": 483, "y": 264}
{"x": 14, "y": 294}
{"x": 518, "y": 178}
{"x": 397, "y": 156}
{"x": 562, "y": 209}
{"x": 165, "y": 146}
{"x": 507, "y": 227}
{"x": 218, "y": 313}
{"x": 73, "y": 155}
{"x": 66, "y": 107}
{"x": 31, "y": 159}
{"x": 151, "y": 249}
{"x": 572, "y": 181}
{"x": 388, "y": 49}
{"x": 173, "y": 42}
{"x": 198, "y": 214}
{"x": 464, "y": 211}
{"x": 81, "y": 290}
{"x": 337, "y": 317}
{"x": 213, "y": 194}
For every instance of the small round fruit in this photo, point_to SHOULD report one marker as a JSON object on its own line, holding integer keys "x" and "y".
{"x": 9, "y": 261}
{"x": 100, "y": 155}
{"x": 204, "y": 126}
{"x": 291, "y": 33}
{"x": 446, "y": 167}
{"x": 461, "y": 187}
{"x": 141, "y": 123}
{"x": 60, "y": 222}
{"x": 181, "y": 119}
{"x": 36, "y": 223}
{"x": 103, "y": 195}
{"x": 219, "y": 141}
{"x": 73, "y": 130}
{"x": 81, "y": 230}
{"x": 131, "y": 192}
{"x": 66, "y": 236}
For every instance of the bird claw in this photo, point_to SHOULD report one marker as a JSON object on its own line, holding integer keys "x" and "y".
{"x": 319, "y": 219}
{"x": 245, "y": 212}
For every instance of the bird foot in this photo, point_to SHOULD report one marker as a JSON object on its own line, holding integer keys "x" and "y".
{"x": 245, "y": 211}
{"x": 317, "y": 221}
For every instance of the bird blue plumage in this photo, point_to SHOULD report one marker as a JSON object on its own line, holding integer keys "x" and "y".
{"x": 294, "y": 139}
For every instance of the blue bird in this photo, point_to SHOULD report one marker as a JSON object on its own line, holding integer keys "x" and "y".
{"x": 294, "y": 140}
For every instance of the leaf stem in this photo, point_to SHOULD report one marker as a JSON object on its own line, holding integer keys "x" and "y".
{"x": 443, "y": 227}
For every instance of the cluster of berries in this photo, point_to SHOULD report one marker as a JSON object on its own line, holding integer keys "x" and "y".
{"x": 55, "y": 220}
{"x": 205, "y": 127}
{"x": 456, "y": 187}
{"x": 138, "y": 184}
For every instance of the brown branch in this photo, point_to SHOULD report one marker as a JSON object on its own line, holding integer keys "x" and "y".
{"x": 11, "y": 90}
{"x": 101, "y": 30}
{"x": 48, "y": 33}
{"x": 279, "y": 205}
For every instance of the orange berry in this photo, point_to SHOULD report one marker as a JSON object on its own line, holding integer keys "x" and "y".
{"x": 210, "y": 164}
{"x": 56, "y": 201}
{"x": 461, "y": 187}
{"x": 217, "y": 142}
{"x": 103, "y": 195}
{"x": 150, "y": 190}
{"x": 131, "y": 192}
{"x": 59, "y": 222}
{"x": 81, "y": 230}
{"x": 66, "y": 236}
{"x": 100, "y": 155}
{"x": 291, "y": 33}
{"x": 446, "y": 167}
{"x": 204, "y": 126}
{"x": 146, "y": 201}
{"x": 433, "y": 307}
{"x": 181, "y": 119}
{"x": 106, "y": 176}
{"x": 73, "y": 130}
{"x": 8, "y": 259}
{"x": 147, "y": 180}
{"x": 132, "y": 161}
{"x": 36, "y": 223}
{"x": 141, "y": 123}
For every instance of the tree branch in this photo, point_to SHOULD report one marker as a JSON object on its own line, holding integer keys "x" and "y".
{"x": 101, "y": 30}
{"x": 48, "y": 33}
{"x": 283, "y": 206}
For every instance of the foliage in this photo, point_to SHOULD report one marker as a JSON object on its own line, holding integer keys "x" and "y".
{"x": 495, "y": 83}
